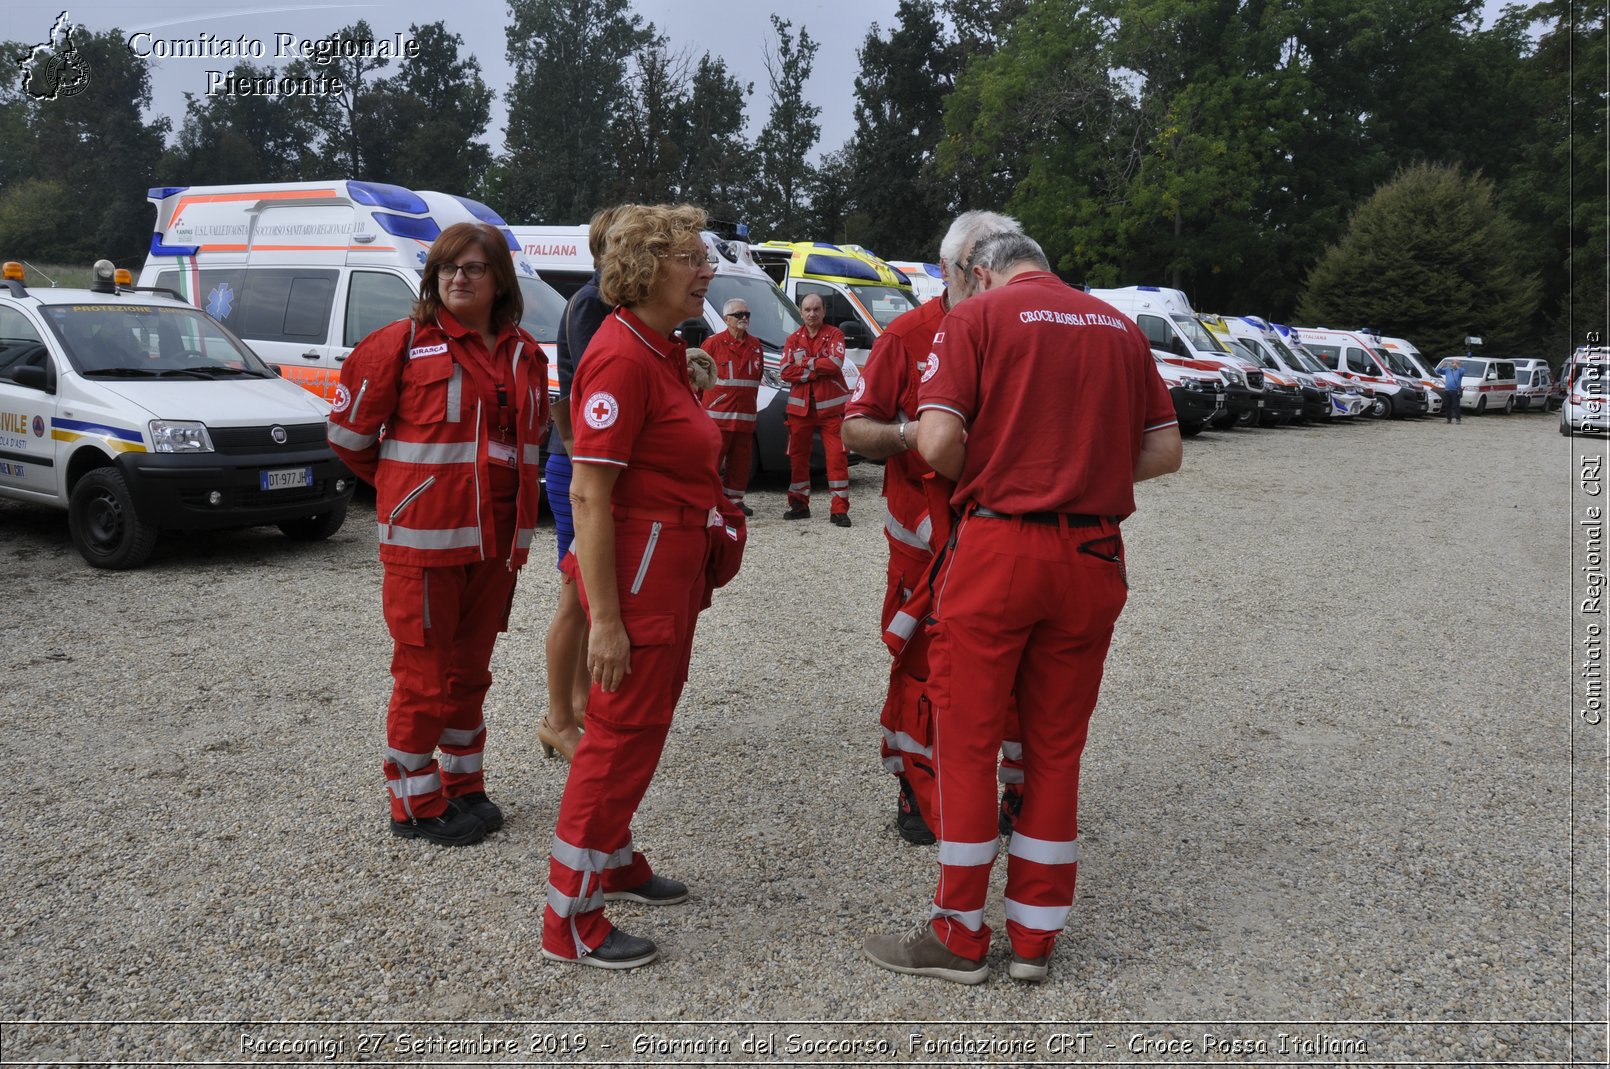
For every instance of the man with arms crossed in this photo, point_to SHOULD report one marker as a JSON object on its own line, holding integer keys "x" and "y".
{"x": 879, "y": 423}
{"x": 731, "y": 402}
{"x": 1044, "y": 405}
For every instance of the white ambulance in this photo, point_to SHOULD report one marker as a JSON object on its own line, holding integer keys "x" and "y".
{"x": 561, "y": 256}
{"x": 927, "y": 280}
{"x": 138, "y": 414}
{"x": 303, "y": 271}
{"x": 1356, "y": 357}
{"x": 860, "y": 293}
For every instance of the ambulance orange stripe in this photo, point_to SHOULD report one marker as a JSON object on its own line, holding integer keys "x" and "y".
{"x": 219, "y": 198}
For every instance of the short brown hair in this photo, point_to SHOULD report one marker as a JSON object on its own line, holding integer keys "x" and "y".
{"x": 598, "y": 230}
{"x": 640, "y": 236}
{"x": 507, "y": 307}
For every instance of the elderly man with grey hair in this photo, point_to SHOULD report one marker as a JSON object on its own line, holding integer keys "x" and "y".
{"x": 1044, "y": 405}
{"x": 879, "y": 424}
{"x": 732, "y": 401}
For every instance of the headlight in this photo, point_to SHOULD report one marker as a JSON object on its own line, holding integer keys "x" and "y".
{"x": 179, "y": 436}
{"x": 1234, "y": 376}
{"x": 1193, "y": 385}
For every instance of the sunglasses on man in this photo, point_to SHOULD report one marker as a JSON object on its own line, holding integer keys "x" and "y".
{"x": 737, "y": 315}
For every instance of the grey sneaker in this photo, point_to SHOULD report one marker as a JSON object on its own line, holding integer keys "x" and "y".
{"x": 617, "y": 951}
{"x": 920, "y": 953}
{"x": 657, "y": 891}
{"x": 1034, "y": 970}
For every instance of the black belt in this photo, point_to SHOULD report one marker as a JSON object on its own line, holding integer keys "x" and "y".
{"x": 1053, "y": 519}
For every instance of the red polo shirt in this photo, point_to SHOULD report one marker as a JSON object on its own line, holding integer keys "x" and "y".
{"x": 632, "y": 407}
{"x": 1056, "y": 389}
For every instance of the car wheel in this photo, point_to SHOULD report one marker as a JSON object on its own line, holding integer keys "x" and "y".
{"x": 1565, "y": 428}
{"x": 315, "y": 528}
{"x": 1223, "y": 421}
{"x": 1481, "y": 406}
{"x": 1509, "y": 405}
{"x": 1247, "y": 419}
{"x": 1381, "y": 407}
{"x": 100, "y": 516}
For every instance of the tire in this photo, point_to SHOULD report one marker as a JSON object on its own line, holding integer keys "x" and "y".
{"x": 1247, "y": 419}
{"x": 1223, "y": 421}
{"x": 100, "y": 516}
{"x": 1481, "y": 406}
{"x": 1509, "y": 404}
{"x": 315, "y": 528}
{"x": 1381, "y": 407}
{"x": 1565, "y": 428}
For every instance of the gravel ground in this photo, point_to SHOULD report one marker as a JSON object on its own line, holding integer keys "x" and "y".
{"x": 1330, "y": 801}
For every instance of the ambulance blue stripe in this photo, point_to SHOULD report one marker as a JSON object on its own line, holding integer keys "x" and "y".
{"x": 96, "y": 428}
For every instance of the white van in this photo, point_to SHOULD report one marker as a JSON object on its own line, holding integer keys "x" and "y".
{"x": 1347, "y": 397}
{"x": 1533, "y": 383}
{"x": 561, "y": 256}
{"x": 927, "y": 280}
{"x": 1166, "y": 318}
{"x": 1489, "y": 385}
{"x": 303, "y": 271}
{"x": 1404, "y": 359}
{"x": 1357, "y": 358}
{"x": 1288, "y": 393}
{"x": 138, "y": 414}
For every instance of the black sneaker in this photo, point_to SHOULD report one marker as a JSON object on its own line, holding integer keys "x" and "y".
{"x": 657, "y": 891}
{"x": 452, "y": 828}
{"x": 481, "y": 807}
{"x": 745, "y": 509}
{"x": 617, "y": 951}
{"x": 798, "y": 512}
{"x": 1011, "y": 807}
{"x": 908, "y": 818}
{"x": 840, "y": 519}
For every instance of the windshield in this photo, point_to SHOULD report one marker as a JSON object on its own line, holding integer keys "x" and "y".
{"x": 1295, "y": 358}
{"x": 773, "y": 317}
{"x": 1398, "y": 363}
{"x": 884, "y": 302}
{"x": 149, "y": 340}
{"x": 1593, "y": 379}
{"x": 1474, "y": 369}
{"x": 544, "y": 309}
{"x": 1259, "y": 353}
{"x": 1197, "y": 334}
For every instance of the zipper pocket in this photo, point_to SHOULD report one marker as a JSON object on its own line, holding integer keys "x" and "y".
{"x": 408, "y": 500}
{"x": 353, "y": 414}
{"x": 648, "y": 555}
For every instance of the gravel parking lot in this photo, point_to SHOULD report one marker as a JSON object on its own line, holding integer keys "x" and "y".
{"x": 1336, "y": 800}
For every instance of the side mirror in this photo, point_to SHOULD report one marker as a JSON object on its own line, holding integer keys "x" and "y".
{"x": 33, "y": 377}
{"x": 856, "y": 335}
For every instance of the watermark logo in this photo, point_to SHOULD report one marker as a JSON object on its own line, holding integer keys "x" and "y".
{"x": 53, "y": 69}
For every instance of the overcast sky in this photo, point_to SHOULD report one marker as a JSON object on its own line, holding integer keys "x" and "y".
{"x": 736, "y": 30}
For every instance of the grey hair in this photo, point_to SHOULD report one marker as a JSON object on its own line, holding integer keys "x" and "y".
{"x": 1000, "y": 251}
{"x": 972, "y": 227}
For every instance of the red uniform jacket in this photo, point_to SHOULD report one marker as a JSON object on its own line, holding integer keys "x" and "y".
{"x": 814, "y": 370}
{"x": 731, "y": 401}
{"x": 406, "y": 418}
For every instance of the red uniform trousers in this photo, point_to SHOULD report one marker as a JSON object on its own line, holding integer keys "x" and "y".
{"x": 626, "y": 730}
{"x": 800, "y": 429}
{"x": 737, "y": 456}
{"x": 1031, "y": 607}
{"x": 444, "y": 622}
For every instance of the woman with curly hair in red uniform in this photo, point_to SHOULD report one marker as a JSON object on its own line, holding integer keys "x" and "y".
{"x": 653, "y": 535}
{"x": 459, "y": 390}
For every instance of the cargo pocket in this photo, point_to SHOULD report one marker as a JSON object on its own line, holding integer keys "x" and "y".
{"x": 405, "y": 599}
{"x": 431, "y": 391}
{"x": 656, "y": 667}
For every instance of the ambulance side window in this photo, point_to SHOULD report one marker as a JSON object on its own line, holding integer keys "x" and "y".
{"x": 1158, "y": 334}
{"x": 374, "y": 299}
{"x": 834, "y": 306}
{"x": 1359, "y": 362}
{"x": 20, "y": 343}
{"x": 289, "y": 305}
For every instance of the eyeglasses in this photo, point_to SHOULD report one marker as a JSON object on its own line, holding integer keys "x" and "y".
{"x": 694, "y": 260}
{"x": 472, "y": 271}
{"x": 737, "y": 315}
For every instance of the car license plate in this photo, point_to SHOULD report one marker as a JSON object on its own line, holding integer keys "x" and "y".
{"x": 1218, "y": 401}
{"x": 1260, "y": 402}
{"x": 286, "y": 478}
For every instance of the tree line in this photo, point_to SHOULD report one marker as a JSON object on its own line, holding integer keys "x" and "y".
{"x": 1385, "y": 163}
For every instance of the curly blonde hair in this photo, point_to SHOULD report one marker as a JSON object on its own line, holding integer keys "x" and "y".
{"x": 641, "y": 235}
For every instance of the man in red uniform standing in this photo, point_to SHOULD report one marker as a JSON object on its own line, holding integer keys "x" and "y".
{"x": 732, "y": 401}
{"x": 879, "y": 423}
{"x": 813, "y": 367}
{"x": 1044, "y": 405}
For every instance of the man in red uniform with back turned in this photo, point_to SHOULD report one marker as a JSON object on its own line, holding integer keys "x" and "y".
{"x": 731, "y": 402}
{"x": 813, "y": 367}
{"x": 1044, "y": 405}
{"x": 880, "y": 424}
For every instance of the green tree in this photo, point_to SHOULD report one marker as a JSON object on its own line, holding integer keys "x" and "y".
{"x": 1432, "y": 258}
{"x": 571, "y": 61}
{"x": 426, "y": 122}
{"x": 651, "y": 131}
{"x": 244, "y": 137}
{"x": 900, "y": 116}
{"x": 720, "y": 168}
{"x": 353, "y": 132}
{"x": 789, "y": 134}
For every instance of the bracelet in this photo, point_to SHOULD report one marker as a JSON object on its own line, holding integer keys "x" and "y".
{"x": 903, "y": 443}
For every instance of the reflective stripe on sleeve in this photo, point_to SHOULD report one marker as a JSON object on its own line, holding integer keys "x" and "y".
{"x": 1043, "y": 851}
{"x": 1039, "y": 918}
{"x": 428, "y": 452}
{"x": 968, "y": 855}
{"x": 347, "y": 438}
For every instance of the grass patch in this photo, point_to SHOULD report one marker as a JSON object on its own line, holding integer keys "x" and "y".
{"x": 40, "y": 275}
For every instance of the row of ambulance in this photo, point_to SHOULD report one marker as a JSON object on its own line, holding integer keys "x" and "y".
{"x": 197, "y": 399}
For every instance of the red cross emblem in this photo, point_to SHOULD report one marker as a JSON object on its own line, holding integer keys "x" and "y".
{"x": 601, "y": 410}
